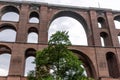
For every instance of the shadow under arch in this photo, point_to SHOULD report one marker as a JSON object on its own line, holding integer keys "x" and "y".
{"x": 112, "y": 63}
{"x": 29, "y": 58}
{"x": 34, "y": 17}
{"x": 4, "y": 49}
{"x": 117, "y": 21}
{"x": 7, "y": 26}
{"x": 9, "y": 8}
{"x": 10, "y": 13}
{"x": 5, "y": 58}
{"x": 30, "y": 52}
{"x": 87, "y": 63}
{"x": 73, "y": 15}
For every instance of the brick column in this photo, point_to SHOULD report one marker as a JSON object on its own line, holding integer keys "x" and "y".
{"x": 43, "y": 30}
{"x": 111, "y": 25}
{"x": 17, "y": 61}
{"x": 101, "y": 62}
{"x": 1, "y": 7}
{"x": 21, "y": 31}
{"x": 94, "y": 25}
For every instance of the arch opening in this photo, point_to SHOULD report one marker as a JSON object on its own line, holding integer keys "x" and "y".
{"x": 32, "y": 35}
{"x": 87, "y": 64}
{"x": 112, "y": 65}
{"x": 34, "y": 17}
{"x": 75, "y": 25}
{"x": 101, "y": 22}
{"x": 8, "y": 33}
{"x": 4, "y": 64}
{"x": 29, "y": 66}
{"x": 10, "y": 13}
{"x": 119, "y": 38}
{"x": 117, "y": 22}
{"x": 29, "y": 58}
{"x": 5, "y": 56}
{"x": 104, "y": 39}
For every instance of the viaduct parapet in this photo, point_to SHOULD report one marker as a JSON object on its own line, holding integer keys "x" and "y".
{"x": 100, "y": 62}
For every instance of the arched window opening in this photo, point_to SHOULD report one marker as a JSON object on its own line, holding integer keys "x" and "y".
{"x": 8, "y": 33}
{"x": 10, "y": 13}
{"x": 75, "y": 29}
{"x": 29, "y": 58}
{"x": 89, "y": 70}
{"x": 85, "y": 72}
{"x": 119, "y": 38}
{"x": 101, "y": 22}
{"x": 117, "y": 22}
{"x": 99, "y": 25}
{"x": 32, "y": 35}
{"x": 112, "y": 65}
{"x": 34, "y": 17}
{"x": 29, "y": 66}
{"x": 104, "y": 39}
{"x": 4, "y": 64}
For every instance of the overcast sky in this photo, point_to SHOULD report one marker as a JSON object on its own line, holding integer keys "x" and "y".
{"x": 112, "y": 4}
{"x": 64, "y": 22}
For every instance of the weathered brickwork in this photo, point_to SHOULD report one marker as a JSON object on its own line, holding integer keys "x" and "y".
{"x": 101, "y": 63}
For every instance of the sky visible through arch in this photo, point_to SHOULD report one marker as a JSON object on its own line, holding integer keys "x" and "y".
{"x": 110, "y": 4}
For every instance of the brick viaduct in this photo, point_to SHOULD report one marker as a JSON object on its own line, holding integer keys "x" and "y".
{"x": 101, "y": 62}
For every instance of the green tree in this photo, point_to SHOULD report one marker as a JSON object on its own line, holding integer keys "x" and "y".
{"x": 56, "y": 62}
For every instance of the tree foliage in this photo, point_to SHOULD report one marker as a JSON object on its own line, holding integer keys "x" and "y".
{"x": 56, "y": 62}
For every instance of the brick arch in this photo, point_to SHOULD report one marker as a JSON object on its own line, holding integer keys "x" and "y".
{"x": 118, "y": 35}
{"x": 112, "y": 65}
{"x": 9, "y": 8}
{"x": 102, "y": 21}
{"x": 33, "y": 29}
{"x": 34, "y": 14}
{"x": 73, "y": 15}
{"x": 5, "y": 49}
{"x": 116, "y": 20}
{"x": 8, "y": 26}
{"x": 87, "y": 63}
{"x": 5, "y": 58}
{"x": 116, "y": 17}
{"x": 106, "y": 38}
{"x": 32, "y": 32}
{"x": 30, "y": 52}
